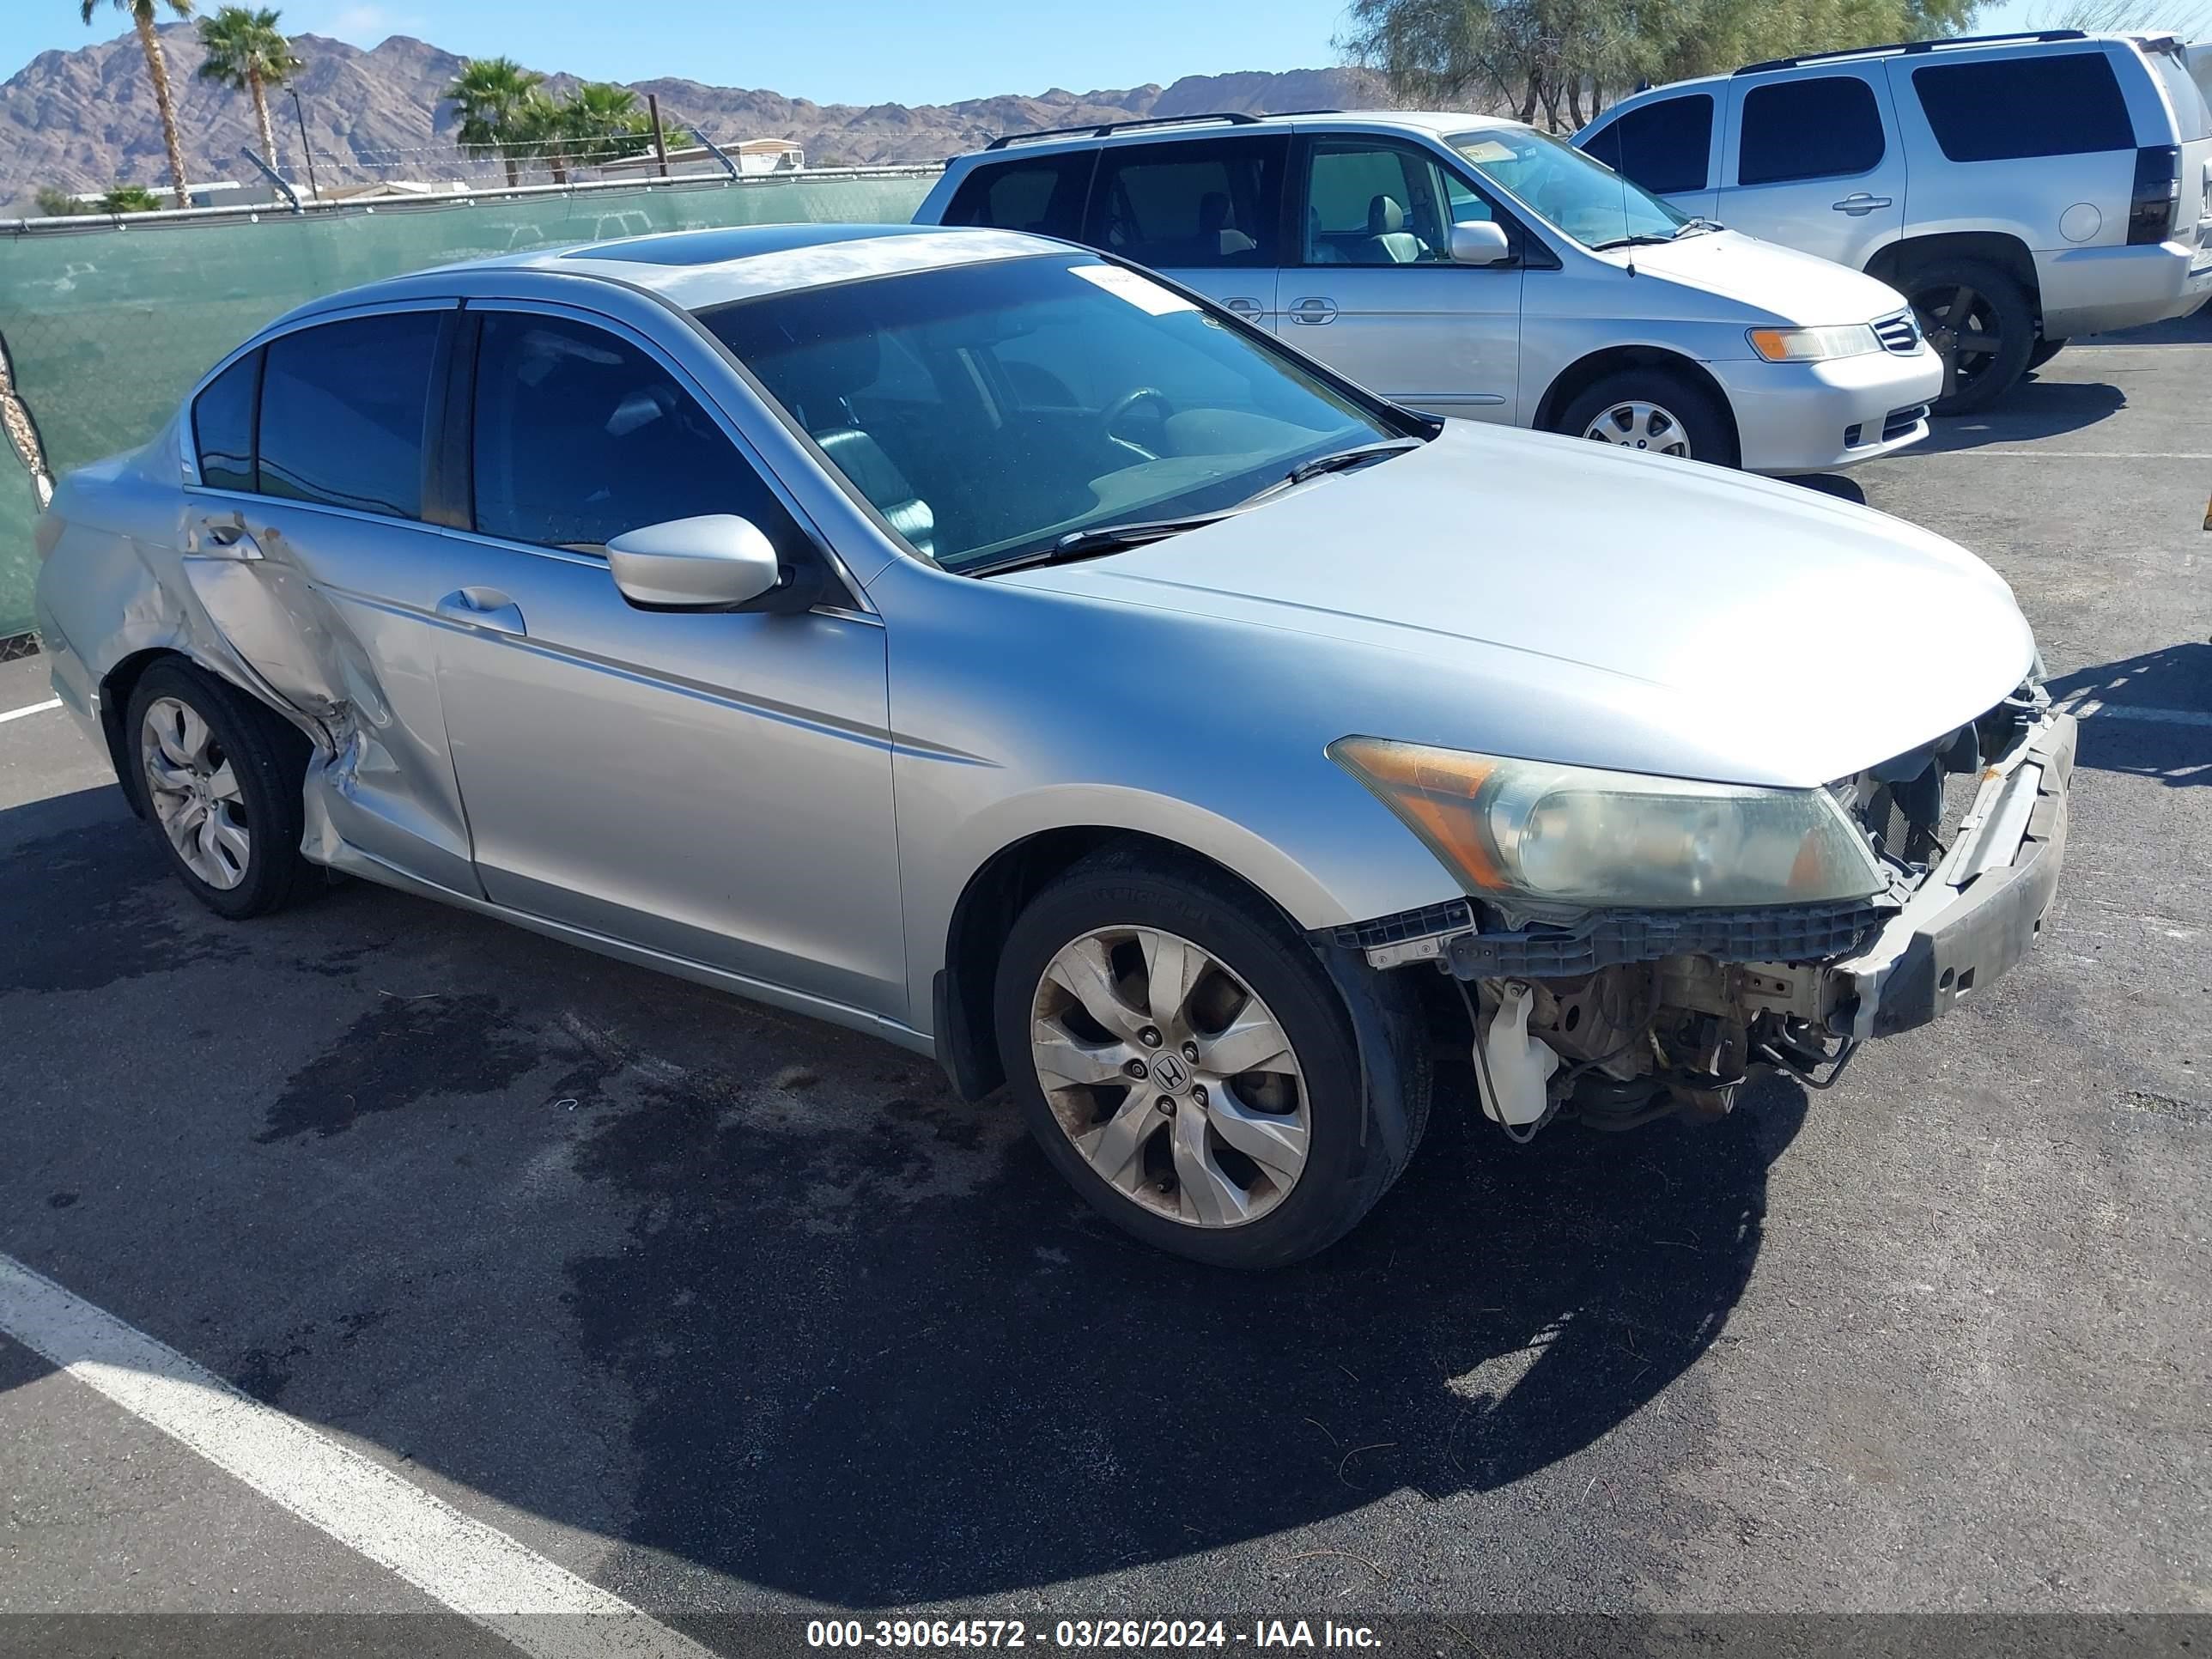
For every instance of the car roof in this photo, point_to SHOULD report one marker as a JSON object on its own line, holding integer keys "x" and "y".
{"x": 696, "y": 268}
{"x": 1173, "y": 128}
{"x": 1816, "y": 63}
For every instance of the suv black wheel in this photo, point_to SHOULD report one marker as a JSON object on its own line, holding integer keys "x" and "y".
{"x": 1981, "y": 323}
{"x": 1655, "y": 411}
{"x": 1186, "y": 1063}
{"x": 220, "y": 776}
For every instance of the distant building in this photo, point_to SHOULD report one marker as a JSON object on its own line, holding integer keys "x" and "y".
{"x": 752, "y": 155}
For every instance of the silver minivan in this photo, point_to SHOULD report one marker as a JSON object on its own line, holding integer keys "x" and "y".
{"x": 1473, "y": 267}
{"x": 2018, "y": 189}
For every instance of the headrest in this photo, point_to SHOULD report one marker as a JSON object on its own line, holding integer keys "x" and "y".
{"x": 1212, "y": 211}
{"x": 1385, "y": 217}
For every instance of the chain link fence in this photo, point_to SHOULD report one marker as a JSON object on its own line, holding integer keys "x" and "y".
{"x": 104, "y": 325}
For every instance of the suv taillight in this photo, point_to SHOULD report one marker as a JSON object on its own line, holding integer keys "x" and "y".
{"x": 2157, "y": 194}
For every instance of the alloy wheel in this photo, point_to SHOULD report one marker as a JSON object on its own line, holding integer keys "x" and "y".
{"x": 194, "y": 793}
{"x": 1638, "y": 425}
{"x": 1963, "y": 328}
{"x": 1171, "y": 1076}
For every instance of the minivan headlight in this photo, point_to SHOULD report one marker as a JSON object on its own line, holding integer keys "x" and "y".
{"x": 1536, "y": 832}
{"x": 1814, "y": 345}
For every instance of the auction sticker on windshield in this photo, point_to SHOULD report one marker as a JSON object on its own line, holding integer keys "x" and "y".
{"x": 1147, "y": 297}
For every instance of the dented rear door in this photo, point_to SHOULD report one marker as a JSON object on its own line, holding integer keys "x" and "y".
{"x": 308, "y": 552}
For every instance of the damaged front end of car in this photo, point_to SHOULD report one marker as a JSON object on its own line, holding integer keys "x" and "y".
{"x": 1850, "y": 913}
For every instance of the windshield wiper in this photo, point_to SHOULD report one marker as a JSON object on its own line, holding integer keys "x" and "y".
{"x": 1344, "y": 459}
{"x": 1104, "y": 538}
{"x": 1115, "y": 538}
{"x": 1696, "y": 227}
{"x": 1638, "y": 241}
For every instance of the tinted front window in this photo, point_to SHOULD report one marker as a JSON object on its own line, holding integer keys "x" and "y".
{"x": 581, "y": 437}
{"x": 1591, "y": 203}
{"x": 342, "y": 412}
{"x": 2053, "y": 104}
{"x": 1043, "y": 195}
{"x": 1828, "y": 127}
{"x": 1007, "y": 404}
{"x": 1195, "y": 203}
{"x": 223, "y": 425}
{"x": 1666, "y": 147}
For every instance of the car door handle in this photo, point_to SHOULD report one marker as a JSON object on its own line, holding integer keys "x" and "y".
{"x": 1246, "y": 308}
{"x": 483, "y": 607}
{"x": 1860, "y": 204}
{"x": 1313, "y": 310}
{"x": 226, "y": 538}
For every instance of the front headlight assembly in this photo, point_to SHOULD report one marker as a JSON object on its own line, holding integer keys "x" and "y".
{"x": 1814, "y": 345}
{"x": 1531, "y": 834}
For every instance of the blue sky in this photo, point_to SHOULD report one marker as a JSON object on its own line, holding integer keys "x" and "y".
{"x": 877, "y": 52}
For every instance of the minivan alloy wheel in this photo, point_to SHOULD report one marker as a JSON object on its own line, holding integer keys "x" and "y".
{"x": 194, "y": 792}
{"x": 1636, "y": 424}
{"x": 1172, "y": 1080}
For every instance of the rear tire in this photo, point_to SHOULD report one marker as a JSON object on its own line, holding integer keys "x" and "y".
{"x": 1198, "y": 980}
{"x": 1994, "y": 321}
{"x": 220, "y": 776}
{"x": 1653, "y": 411}
{"x": 2044, "y": 352}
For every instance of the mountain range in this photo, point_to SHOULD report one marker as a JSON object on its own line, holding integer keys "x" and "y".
{"x": 84, "y": 120}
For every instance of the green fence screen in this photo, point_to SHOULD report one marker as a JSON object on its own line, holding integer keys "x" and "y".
{"x": 107, "y": 328}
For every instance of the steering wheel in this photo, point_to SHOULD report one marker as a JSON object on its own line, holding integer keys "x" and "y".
{"x": 1119, "y": 410}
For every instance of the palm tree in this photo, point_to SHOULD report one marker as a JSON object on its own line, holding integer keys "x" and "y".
{"x": 157, "y": 70}
{"x": 247, "y": 52}
{"x": 602, "y": 122}
{"x": 491, "y": 96}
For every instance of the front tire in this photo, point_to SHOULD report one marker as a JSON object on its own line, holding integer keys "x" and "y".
{"x": 220, "y": 776}
{"x": 2044, "y": 352}
{"x": 1657, "y": 412}
{"x": 1185, "y": 1063}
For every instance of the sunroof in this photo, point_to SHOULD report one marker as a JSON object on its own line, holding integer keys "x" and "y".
{"x": 712, "y": 248}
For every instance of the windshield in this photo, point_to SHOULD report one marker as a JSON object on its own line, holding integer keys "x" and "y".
{"x": 1585, "y": 198}
{"x": 991, "y": 411}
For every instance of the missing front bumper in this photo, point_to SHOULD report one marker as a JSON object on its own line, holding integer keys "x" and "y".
{"x": 1981, "y": 909}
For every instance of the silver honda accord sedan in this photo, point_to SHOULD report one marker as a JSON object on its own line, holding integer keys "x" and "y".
{"x": 974, "y": 641}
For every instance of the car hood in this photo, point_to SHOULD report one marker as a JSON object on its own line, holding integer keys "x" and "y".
{"x": 1780, "y": 282}
{"x": 1559, "y": 600}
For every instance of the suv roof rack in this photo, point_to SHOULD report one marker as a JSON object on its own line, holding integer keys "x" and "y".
{"x": 1099, "y": 129}
{"x": 1914, "y": 47}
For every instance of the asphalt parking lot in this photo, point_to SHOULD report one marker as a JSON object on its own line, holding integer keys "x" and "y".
{"x": 723, "y": 1313}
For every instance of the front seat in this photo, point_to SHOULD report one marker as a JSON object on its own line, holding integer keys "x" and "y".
{"x": 1388, "y": 242}
{"x": 826, "y": 375}
{"x": 1218, "y": 239}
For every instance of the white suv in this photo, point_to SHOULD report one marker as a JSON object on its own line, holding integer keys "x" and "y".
{"x": 2019, "y": 188}
{"x": 1475, "y": 268}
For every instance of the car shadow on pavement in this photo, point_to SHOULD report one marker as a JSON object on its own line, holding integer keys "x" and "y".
{"x": 2036, "y": 407}
{"x": 963, "y": 1398}
{"x": 746, "y": 1294}
{"x": 2149, "y": 715}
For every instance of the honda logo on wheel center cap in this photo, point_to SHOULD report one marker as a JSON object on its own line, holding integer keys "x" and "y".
{"x": 1170, "y": 1073}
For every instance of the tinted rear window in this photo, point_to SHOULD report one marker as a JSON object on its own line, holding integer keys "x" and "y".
{"x": 1190, "y": 204}
{"x": 1043, "y": 195}
{"x": 2191, "y": 115}
{"x": 1666, "y": 147}
{"x": 223, "y": 425}
{"x": 1828, "y": 127}
{"x": 342, "y": 408}
{"x": 2051, "y": 104}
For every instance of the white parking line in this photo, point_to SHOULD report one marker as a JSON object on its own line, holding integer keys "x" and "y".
{"x": 479, "y": 1573}
{"x": 2088, "y": 706}
{"x": 35, "y": 709}
{"x": 2071, "y": 454}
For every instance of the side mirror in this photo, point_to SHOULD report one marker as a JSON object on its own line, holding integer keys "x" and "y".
{"x": 1481, "y": 243}
{"x": 719, "y": 563}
